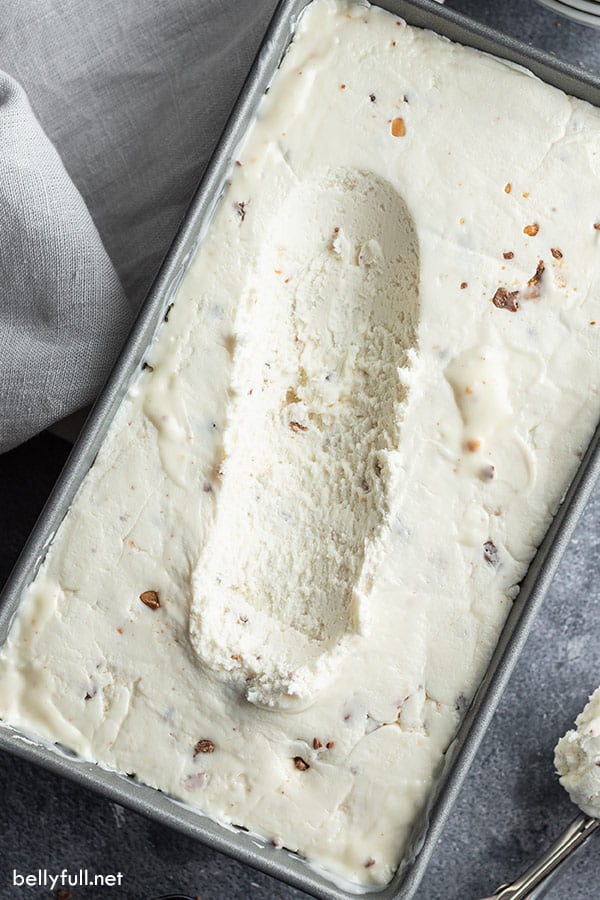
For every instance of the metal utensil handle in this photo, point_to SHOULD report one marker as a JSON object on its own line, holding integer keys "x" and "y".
{"x": 174, "y": 897}
{"x": 575, "y": 834}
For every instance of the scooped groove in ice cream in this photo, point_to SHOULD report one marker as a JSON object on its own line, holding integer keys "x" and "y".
{"x": 577, "y": 758}
{"x": 321, "y": 493}
{"x": 302, "y": 506}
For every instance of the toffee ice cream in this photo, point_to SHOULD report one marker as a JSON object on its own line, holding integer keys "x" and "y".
{"x": 283, "y": 578}
{"x": 577, "y": 758}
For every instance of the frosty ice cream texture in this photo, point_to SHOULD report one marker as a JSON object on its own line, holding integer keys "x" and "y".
{"x": 577, "y": 758}
{"x": 304, "y": 508}
{"x": 376, "y": 382}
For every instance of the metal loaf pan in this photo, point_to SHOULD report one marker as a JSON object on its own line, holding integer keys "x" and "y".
{"x": 158, "y": 806}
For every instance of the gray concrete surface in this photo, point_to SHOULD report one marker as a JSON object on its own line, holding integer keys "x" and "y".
{"x": 511, "y": 805}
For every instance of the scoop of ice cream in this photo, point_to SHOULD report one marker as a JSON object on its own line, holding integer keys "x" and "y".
{"x": 577, "y": 758}
{"x": 302, "y": 499}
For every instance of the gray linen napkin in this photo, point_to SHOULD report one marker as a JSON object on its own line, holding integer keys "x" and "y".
{"x": 63, "y": 313}
{"x": 133, "y": 96}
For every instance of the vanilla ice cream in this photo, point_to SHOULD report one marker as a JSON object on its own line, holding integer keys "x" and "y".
{"x": 577, "y": 758}
{"x": 283, "y": 578}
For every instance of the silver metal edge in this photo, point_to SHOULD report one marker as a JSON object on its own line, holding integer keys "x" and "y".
{"x": 146, "y": 800}
{"x": 543, "y": 888}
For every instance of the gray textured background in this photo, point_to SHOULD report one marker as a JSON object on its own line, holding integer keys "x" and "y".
{"x": 136, "y": 164}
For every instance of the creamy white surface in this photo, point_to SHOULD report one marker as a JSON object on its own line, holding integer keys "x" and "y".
{"x": 577, "y": 758}
{"x": 311, "y": 440}
{"x": 376, "y": 544}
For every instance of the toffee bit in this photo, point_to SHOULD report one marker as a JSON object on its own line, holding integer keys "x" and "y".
{"x": 372, "y": 98}
{"x": 507, "y": 188}
{"x": 169, "y": 308}
{"x": 490, "y": 554}
{"x": 88, "y": 696}
{"x": 330, "y": 745}
{"x": 229, "y": 343}
{"x": 531, "y": 230}
{"x": 537, "y": 276}
{"x": 504, "y": 299}
{"x": 473, "y": 446}
{"x": 370, "y": 862}
{"x": 301, "y": 764}
{"x": 240, "y": 208}
{"x": 150, "y": 599}
{"x": 297, "y": 427}
{"x": 463, "y": 285}
{"x": 203, "y": 746}
{"x": 556, "y": 253}
{"x": 597, "y": 226}
{"x": 398, "y": 127}
{"x": 317, "y": 744}
{"x": 508, "y": 254}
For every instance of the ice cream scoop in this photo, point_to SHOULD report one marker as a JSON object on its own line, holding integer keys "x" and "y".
{"x": 577, "y": 762}
{"x": 572, "y": 837}
{"x": 175, "y": 897}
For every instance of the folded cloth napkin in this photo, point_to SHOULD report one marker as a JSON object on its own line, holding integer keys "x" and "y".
{"x": 63, "y": 313}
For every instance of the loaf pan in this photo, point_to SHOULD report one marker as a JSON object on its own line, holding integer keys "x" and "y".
{"x": 459, "y": 757}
